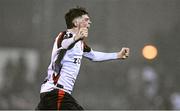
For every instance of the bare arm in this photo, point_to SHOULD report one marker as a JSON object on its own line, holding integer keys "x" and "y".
{"x": 102, "y": 56}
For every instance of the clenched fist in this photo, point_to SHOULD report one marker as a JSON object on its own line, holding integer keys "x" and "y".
{"x": 124, "y": 53}
{"x": 82, "y": 33}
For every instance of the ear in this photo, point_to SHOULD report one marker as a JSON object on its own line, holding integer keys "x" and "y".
{"x": 75, "y": 23}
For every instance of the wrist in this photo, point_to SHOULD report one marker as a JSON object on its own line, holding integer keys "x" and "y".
{"x": 119, "y": 56}
{"x": 76, "y": 38}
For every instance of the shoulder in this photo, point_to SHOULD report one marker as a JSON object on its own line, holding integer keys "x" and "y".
{"x": 60, "y": 37}
{"x": 61, "y": 34}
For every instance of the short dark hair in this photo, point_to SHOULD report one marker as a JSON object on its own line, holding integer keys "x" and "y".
{"x": 72, "y": 14}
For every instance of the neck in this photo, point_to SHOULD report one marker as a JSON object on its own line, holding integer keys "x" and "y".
{"x": 73, "y": 30}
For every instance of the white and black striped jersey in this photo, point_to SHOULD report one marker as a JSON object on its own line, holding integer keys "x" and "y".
{"x": 66, "y": 60}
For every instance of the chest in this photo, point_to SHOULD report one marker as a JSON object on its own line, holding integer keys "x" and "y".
{"x": 77, "y": 49}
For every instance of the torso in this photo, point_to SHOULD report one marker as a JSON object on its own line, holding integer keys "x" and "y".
{"x": 68, "y": 72}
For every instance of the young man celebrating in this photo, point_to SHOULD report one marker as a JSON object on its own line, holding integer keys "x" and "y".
{"x": 68, "y": 50}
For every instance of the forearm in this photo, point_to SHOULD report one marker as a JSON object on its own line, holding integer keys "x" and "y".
{"x": 67, "y": 42}
{"x": 100, "y": 56}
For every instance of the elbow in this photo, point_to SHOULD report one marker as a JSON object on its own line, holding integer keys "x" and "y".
{"x": 67, "y": 42}
{"x": 64, "y": 45}
{"x": 94, "y": 59}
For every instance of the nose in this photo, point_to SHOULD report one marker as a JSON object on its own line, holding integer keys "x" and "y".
{"x": 90, "y": 22}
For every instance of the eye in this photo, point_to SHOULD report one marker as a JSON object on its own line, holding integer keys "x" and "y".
{"x": 86, "y": 19}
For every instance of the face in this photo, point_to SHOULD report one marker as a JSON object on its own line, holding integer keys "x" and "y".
{"x": 83, "y": 21}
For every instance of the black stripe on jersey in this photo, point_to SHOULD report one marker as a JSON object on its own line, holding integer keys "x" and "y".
{"x": 72, "y": 45}
{"x": 57, "y": 66}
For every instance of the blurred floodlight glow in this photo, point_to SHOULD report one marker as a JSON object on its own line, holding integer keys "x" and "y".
{"x": 149, "y": 52}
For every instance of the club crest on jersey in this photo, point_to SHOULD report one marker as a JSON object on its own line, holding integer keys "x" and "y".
{"x": 68, "y": 35}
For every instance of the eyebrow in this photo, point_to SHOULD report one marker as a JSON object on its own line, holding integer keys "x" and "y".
{"x": 87, "y": 18}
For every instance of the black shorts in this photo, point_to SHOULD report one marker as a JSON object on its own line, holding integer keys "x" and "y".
{"x": 57, "y": 100}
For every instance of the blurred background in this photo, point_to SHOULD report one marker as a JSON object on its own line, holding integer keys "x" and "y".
{"x": 148, "y": 79}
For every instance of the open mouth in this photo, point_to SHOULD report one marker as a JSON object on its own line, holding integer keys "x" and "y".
{"x": 88, "y": 26}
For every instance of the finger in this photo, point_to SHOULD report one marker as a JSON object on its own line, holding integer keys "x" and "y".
{"x": 125, "y": 52}
{"x": 124, "y": 57}
{"x": 128, "y": 51}
{"x": 84, "y": 29}
{"x": 84, "y": 34}
{"x": 80, "y": 28}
